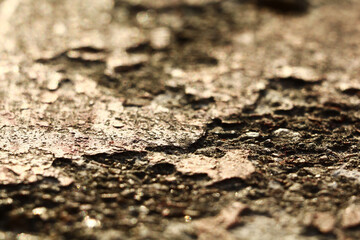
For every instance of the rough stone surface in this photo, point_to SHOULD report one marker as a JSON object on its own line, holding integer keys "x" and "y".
{"x": 123, "y": 119}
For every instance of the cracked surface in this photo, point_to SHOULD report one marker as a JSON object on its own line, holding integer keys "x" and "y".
{"x": 181, "y": 119}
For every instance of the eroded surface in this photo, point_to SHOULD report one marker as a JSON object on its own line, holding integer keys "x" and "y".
{"x": 181, "y": 119}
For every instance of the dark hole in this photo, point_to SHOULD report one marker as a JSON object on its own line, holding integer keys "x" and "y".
{"x": 285, "y": 6}
{"x": 163, "y": 168}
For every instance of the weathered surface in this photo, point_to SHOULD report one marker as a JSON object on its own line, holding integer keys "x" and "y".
{"x": 164, "y": 119}
{"x": 233, "y": 165}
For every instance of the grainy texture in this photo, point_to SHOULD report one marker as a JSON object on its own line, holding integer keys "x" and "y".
{"x": 181, "y": 119}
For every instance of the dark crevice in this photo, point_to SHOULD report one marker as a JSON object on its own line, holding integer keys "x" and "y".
{"x": 292, "y": 82}
{"x": 285, "y": 6}
{"x": 122, "y": 157}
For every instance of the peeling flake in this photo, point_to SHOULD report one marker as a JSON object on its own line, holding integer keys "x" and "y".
{"x": 234, "y": 164}
{"x": 303, "y": 73}
{"x": 217, "y": 226}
